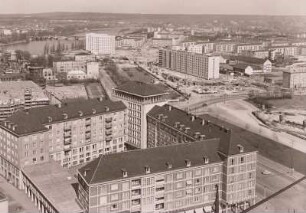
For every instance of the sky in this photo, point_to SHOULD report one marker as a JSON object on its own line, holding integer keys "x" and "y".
{"x": 251, "y": 7}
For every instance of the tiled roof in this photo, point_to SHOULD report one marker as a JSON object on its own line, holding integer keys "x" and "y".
{"x": 172, "y": 115}
{"x": 140, "y": 89}
{"x": 33, "y": 120}
{"x": 109, "y": 167}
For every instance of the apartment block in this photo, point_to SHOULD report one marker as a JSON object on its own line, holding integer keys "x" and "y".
{"x": 239, "y": 48}
{"x": 70, "y": 134}
{"x": 139, "y": 98}
{"x": 225, "y": 47}
{"x": 207, "y": 176}
{"x": 66, "y": 66}
{"x": 295, "y": 77}
{"x": 199, "y": 65}
{"x": 286, "y": 50}
{"x": 100, "y": 44}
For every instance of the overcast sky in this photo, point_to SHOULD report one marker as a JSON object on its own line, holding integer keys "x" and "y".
{"x": 260, "y": 7}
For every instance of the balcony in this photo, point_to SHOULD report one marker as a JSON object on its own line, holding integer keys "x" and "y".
{"x": 136, "y": 183}
{"x": 108, "y": 120}
{"x": 108, "y": 126}
{"x": 67, "y": 147}
{"x": 67, "y": 135}
{"x": 136, "y": 192}
{"x": 67, "y": 129}
{"x": 159, "y": 206}
{"x": 108, "y": 133}
{"x": 136, "y": 202}
{"x": 67, "y": 141}
{"x": 108, "y": 138}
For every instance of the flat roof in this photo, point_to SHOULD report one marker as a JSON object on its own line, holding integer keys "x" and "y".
{"x": 55, "y": 183}
{"x": 140, "y": 89}
{"x": 13, "y": 91}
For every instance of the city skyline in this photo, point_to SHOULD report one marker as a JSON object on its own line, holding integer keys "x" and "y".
{"x": 236, "y": 7}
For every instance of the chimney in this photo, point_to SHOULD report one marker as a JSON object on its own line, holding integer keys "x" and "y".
{"x": 160, "y": 116}
{"x": 94, "y": 111}
{"x": 14, "y": 127}
{"x": 188, "y": 163}
{"x": 176, "y": 124}
{"x": 169, "y": 107}
{"x": 206, "y": 160}
{"x": 85, "y": 172}
{"x": 186, "y": 129}
{"x": 202, "y": 137}
{"x": 59, "y": 105}
{"x": 192, "y": 118}
{"x": 164, "y": 118}
{"x": 207, "y": 122}
{"x": 203, "y": 122}
{"x": 241, "y": 148}
{"x": 197, "y": 135}
{"x": 124, "y": 173}
{"x": 49, "y": 119}
{"x": 106, "y": 109}
{"x": 169, "y": 165}
{"x": 9, "y": 125}
{"x": 65, "y": 115}
{"x": 100, "y": 99}
{"x": 147, "y": 170}
{"x": 181, "y": 126}
{"x": 80, "y": 113}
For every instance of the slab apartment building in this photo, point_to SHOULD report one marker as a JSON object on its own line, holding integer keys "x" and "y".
{"x": 198, "y": 65}
{"x": 70, "y": 134}
{"x": 211, "y": 175}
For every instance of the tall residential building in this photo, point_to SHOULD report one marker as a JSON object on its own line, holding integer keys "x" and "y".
{"x": 70, "y": 134}
{"x": 66, "y": 66}
{"x": 239, "y": 48}
{"x": 15, "y": 95}
{"x": 100, "y": 44}
{"x": 139, "y": 98}
{"x": 199, "y": 65}
{"x": 295, "y": 77}
{"x": 206, "y": 176}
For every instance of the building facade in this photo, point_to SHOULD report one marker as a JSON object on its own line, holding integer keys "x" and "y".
{"x": 295, "y": 77}
{"x": 199, "y": 65}
{"x": 70, "y": 134}
{"x": 66, "y": 66}
{"x": 139, "y": 98}
{"x": 193, "y": 177}
{"x": 100, "y": 44}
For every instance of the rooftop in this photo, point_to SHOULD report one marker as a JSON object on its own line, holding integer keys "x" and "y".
{"x": 56, "y": 184}
{"x": 13, "y": 91}
{"x": 33, "y": 120}
{"x": 109, "y": 167}
{"x": 196, "y": 126}
{"x": 246, "y": 59}
{"x": 140, "y": 89}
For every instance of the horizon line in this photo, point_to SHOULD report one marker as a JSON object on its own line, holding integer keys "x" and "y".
{"x": 171, "y": 14}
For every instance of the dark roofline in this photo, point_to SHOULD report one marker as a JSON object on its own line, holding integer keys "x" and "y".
{"x": 139, "y": 94}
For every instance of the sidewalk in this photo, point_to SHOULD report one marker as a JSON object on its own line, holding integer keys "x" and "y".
{"x": 18, "y": 200}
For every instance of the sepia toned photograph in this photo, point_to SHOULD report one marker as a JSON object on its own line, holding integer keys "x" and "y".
{"x": 152, "y": 106}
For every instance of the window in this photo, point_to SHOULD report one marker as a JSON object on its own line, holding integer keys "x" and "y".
{"x": 114, "y": 207}
{"x": 197, "y": 190}
{"x": 114, "y": 197}
{"x": 242, "y": 160}
{"x": 179, "y": 176}
{"x": 114, "y": 187}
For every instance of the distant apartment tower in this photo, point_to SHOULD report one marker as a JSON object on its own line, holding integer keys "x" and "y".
{"x": 208, "y": 176}
{"x": 100, "y": 44}
{"x": 139, "y": 98}
{"x": 295, "y": 77}
{"x": 70, "y": 134}
{"x": 199, "y": 65}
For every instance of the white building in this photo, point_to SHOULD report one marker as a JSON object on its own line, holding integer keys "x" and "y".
{"x": 100, "y": 44}
{"x": 93, "y": 70}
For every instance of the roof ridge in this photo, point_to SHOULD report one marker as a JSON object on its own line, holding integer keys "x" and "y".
{"x": 96, "y": 169}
